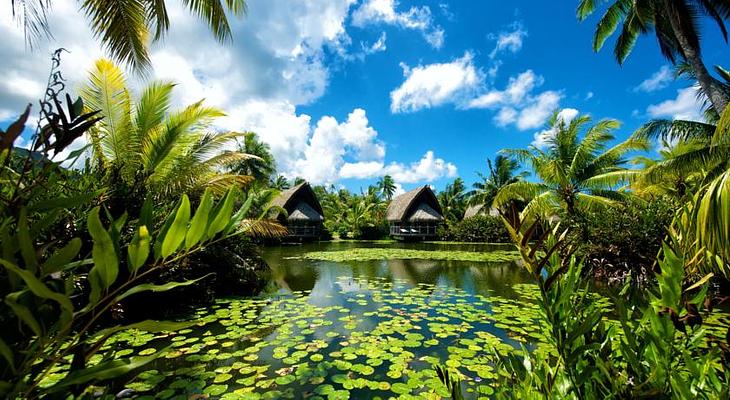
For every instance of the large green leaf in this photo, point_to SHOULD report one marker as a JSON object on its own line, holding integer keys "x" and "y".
{"x": 139, "y": 249}
{"x": 149, "y": 287}
{"x": 104, "y": 371}
{"x": 61, "y": 257}
{"x": 200, "y": 221}
{"x": 26, "y": 242}
{"x": 22, "y": 312}
{"x": 106, "y": 263}
{"x": 7, "y": 353}
{"x": 176, "y": 234}
{"x": 222, "y": 215}
{"x": 40, "y": 289}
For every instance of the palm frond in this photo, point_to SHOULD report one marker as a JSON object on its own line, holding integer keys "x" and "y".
{"x": 522, "y": 191}
{"x": 263, "y": 228}
{"x": 122, "y": 27}
{"x": 213, "y": 12}
{"x": 612, "y": 179}
{"x": 107, "y": 92}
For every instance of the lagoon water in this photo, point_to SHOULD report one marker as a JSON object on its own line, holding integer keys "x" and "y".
{"x": 351, "y": 329}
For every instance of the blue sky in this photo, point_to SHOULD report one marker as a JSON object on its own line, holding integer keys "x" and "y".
{"x": 345, "y": 91}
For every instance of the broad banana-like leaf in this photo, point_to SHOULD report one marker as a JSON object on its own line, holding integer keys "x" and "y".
{"x": 61, "y": 257}
{"x": 176, "y": 234}
{"x": 221, "y": 215}
{"x": 200, "y": 221}
{"x": 149, "y": 287}
{"x": 139, "y": 249}
{"x": 106, "y": 263}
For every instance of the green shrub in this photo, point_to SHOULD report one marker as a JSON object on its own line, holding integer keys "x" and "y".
{"x": 480, "y": 228}
{"x": 624, "y": 240}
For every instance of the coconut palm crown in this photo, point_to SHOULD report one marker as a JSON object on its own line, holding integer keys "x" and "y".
{"x": 144, "y": 143}
{"x": 575, "y": 171}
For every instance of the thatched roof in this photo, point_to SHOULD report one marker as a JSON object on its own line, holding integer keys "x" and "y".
{"x": 417, "y": 205}
{"x": 301, "y": 203}
{"x": 303, "y": 212}
{"x": 424, "y": 213}
{"x": 473, "y": 211}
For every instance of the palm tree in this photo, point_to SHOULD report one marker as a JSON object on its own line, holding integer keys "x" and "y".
{"x": 575, "y": 173}
{"x": 656, "y": 180}
{"x": 501, "y": 174}
{"x": 676, "y": 26}
{"x": 125, "y": 26}
{"x": 262, "y": 166}
{"x": 280, "y": 183}
{"x": 144, "y": 146}
{"x": 703, "y": 151}
{"x": 453, "y": 200}
{"x": 387, "y": 187}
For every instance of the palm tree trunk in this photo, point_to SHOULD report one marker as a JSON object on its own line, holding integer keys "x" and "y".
{"x": 691, "y": 53}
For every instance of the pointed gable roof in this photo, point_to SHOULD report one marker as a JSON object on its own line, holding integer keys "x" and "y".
{"x": 301, "y": 203}
{"x": 417, "y": 205}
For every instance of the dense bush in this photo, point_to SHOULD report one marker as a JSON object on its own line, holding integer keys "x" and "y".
{"x": 624, "y": 240}
{"x": 480, "y": 228}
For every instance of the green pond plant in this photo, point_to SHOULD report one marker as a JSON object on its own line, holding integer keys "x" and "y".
{"x": 59, "y": 290}
{"x": 660, "y": 350}
{"x": 378, "y": 253}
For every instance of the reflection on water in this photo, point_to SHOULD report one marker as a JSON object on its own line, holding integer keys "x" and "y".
{"x": 291, "y": 273}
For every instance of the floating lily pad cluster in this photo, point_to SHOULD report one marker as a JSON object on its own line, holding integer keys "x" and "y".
{"x": 369, "y": 338}
{"x": 382, "y": 253}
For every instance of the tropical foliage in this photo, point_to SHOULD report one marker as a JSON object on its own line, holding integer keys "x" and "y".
{"x": 501, "y": 173}
{"x": 453, "y": 201}
{"x": 126, "y": 26}
{"x": 143, "y": 146}
{"x": 354, "y": 216}
{"x": 576, "y": 173}
{"x": 677, "y": 29}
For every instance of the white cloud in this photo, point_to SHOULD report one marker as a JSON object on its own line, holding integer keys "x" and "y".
{"x": 659, "y": 80}
{"x": 436, "y": 84}
{"x": 517, "y": 104}
{"x": 543, "y": 137}
{"x": 415, "y": 18}
{"x": 538, "y": 112}
{"x": 267, "y": 60}
{"x": 377, "y": 47}
{"x": 329, "y": 150}
{"x": 589, "y": 96}
{"x": 361, "y": 170}
{"x": 509, "y": 40}
{"x": 427, "y": 169}
{"x": 685, "y": 106}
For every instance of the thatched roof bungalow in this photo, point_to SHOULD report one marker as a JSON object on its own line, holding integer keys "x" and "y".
{"x": 415, "y": 215}
{"x": 304, "y": 216}
{"x": 480, "y": 209}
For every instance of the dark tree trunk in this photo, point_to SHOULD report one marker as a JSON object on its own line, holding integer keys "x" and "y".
{"x": 710, "y": 86}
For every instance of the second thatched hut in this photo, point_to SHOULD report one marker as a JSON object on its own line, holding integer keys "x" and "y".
{"x": 304, "y": 213}
{"x": 415, "y": 215}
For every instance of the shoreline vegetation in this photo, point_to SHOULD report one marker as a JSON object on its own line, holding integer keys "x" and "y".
{"x": 372, "y": 254}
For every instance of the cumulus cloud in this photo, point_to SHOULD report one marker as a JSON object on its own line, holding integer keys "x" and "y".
{"x": 510, "y": 40}
{"x": 436, "y": 84}
{"x": 685, "y": 106}
{"x": 659, "y": 80}
{"x": 415, "y": 18}
{"x": 427, "y": 169}
{"x": 542, "y": 138}
{"x": 517, "y": 104}
{"x": 328, "y": 150}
